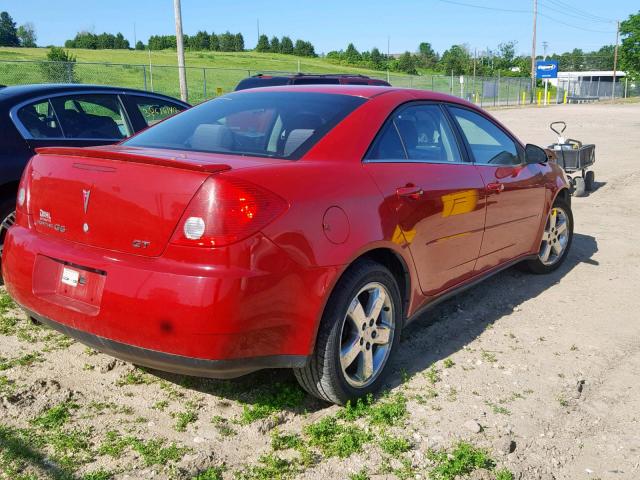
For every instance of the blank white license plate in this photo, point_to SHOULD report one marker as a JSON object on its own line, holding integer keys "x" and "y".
{"x": 70, "y": 276}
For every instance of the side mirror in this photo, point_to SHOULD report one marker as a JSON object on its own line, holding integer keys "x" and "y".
{"x": 534, "y": 154}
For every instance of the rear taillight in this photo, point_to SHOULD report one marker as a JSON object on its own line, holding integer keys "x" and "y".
{"x": 226, "y": 210}
{"x": 24, "y": 197}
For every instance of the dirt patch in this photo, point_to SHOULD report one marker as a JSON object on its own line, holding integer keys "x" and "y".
{"x": 526, "y": 377}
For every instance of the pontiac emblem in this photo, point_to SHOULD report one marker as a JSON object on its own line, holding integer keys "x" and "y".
{"x": 85, "y": 197}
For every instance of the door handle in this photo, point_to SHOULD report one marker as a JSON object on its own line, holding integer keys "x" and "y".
{"x": 410, "y": 191}
{"x": 496, "y": 187}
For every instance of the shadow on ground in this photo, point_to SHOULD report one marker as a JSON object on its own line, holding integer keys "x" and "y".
{"x": 425, "y": 341}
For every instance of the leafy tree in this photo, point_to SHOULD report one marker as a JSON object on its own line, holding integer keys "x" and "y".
{"x": 60, "y": 68}
{"x": 238, "y": 43}
{"x": 630, "y": 51}
{"x": 377, "y": 60}
{"x": 506, "y": 55}
{"x": 226, "y": 41}
{"x": 263, "y": 44}
{"x": 456, "y": 59}
{"x": 140, "y": 45}
{"x": 351, "y": 54}
{"x": 304, "y": 49}
{"x": 275, "y": 45}
{"x": 200, "y": 41}
{"x": 8, "y": 32}
{"x": 428, "y": 56}
{"x": 27, "y": 35}
{"x": 214, "y": 42}
{"x": 407, "y": 63}
{"x": 286, "y": 45}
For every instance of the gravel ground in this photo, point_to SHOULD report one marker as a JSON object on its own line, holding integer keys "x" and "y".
{"x": 531, "y": 377}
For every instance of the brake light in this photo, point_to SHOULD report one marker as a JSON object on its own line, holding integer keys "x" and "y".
{"x": 23, "y": 199}
{"x": 226, "y": 210}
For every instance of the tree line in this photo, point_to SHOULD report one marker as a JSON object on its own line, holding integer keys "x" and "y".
{"x": 286, "y": 46}
{"x": 102, "y": 41}
{"x": 13, "y": 36}
{"x": 224, "y": 42}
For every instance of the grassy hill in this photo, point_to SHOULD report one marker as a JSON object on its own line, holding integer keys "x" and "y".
{"x": 230, "y": 67}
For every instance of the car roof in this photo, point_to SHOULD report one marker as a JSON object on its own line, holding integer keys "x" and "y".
{"x": 364, "y": 91}
{"x": 24, "y": 92}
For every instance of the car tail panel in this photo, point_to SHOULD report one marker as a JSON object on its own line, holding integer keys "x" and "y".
{"x": 127, "y": 206}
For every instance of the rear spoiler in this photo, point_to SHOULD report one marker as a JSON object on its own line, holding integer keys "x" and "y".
{"x": 128, "y": 156}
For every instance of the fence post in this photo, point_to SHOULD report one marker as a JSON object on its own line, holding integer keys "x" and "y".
{"x": 144, "y": 76}
{"x": 626, "y": 86}
{"x": 508, "y": 84}
{"x": 204, "y": 82}
{"x": 482, "y": 93}
{"x": 451, "y": 84}
{"x": 432, "y": 85}
{"x": 69, "y": 72}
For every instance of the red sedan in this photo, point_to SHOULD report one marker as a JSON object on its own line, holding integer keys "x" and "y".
{"x": 299, "y": 227}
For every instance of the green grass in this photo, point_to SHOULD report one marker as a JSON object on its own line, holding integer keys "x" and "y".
{"x": 461, "y": 461}
{"x": 361, "y": 475}
{"x": 135, "y": 377}
{"x": 448, "y": 363}
{"x": 183, "y": 419}
{"x": 270, "y": 467}
{"x": 432, "y": 375}
{"x": 230, "y": 68}
{"x": 388, "y": 411}
{"x": 394, "y": 445}
{"x": 285, "y": 441}
{"x": 55, "y": 417}
{"x": 499, "y": 409}
{"x": 211, "y": 473}
{"x": 152, "y": 452}
{"x": 222, "y": 426}
{"x": 21, "y": 361}
{"x": 335, "y": 439}
{"x": 272, "y": 400}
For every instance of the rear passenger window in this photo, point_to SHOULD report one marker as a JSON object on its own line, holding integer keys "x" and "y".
{"x": 417, "y": 133}
{"x": 153, "y": 109}
{"x": 488, "y": 143}
{"x": 40, "y": 120}
{"x": 92, "y": 116}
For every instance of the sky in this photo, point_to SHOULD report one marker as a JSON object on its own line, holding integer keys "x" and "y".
{"x": 332, "y": 24}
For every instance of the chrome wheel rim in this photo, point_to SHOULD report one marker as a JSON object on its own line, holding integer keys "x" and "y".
{"x": 7, "y": 223}
{"x": 367, "y": 334}
{"x": 555, "y": 237}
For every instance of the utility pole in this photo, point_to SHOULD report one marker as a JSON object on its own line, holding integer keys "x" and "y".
{"x": 615, "y": 62}
{"x": 182, "y": 74}
{"x": 533, "y": 51}
{"x": 258, "y": 23}
{"x": 388, "y": 56}
{"x": 545, "y": 44}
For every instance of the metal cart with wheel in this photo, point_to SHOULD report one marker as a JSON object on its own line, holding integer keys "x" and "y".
{"x": 576, "y": 159}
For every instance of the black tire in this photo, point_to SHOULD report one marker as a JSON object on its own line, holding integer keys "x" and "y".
{"x": 579, "y": 187}
{"x": 536, "y": 265}
{"x": 7, "y": 208}
{"x": 323, "y": 377}
{"x": 590, "y": 180}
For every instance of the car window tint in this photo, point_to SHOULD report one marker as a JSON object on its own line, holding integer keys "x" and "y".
{"x": 153, "y": 109}
{"x": 387, "y": 145}
{"x": 272, "y": 124}
{"x": 91, "y": 116}
{"x": 40, "y": 120}
{"x": 426, "y": 134}
{"x": 488, "y": 143}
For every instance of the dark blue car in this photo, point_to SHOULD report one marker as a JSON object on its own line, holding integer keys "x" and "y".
{"x": 33, "y": 116}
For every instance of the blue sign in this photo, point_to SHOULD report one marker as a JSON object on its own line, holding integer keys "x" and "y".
{"x": 546, "y": 69}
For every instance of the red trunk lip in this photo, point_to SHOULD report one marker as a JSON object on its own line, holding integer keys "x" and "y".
{"x": 173, "y": 160}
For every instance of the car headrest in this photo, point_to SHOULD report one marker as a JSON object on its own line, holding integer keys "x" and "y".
{"x": 211, "y": 137}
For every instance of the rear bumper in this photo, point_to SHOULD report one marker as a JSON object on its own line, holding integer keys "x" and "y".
{"x": 208, "y": 312}
{"x": 175, "y": 363}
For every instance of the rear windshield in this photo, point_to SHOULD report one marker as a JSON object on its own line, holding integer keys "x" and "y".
{"x": 259, "y": 124}
{"x": 255, "y": 82}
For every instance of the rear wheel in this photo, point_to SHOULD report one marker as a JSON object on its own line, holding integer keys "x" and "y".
{"x": 358, "y": 333}
{"x": 589, "y": 180}
{"x": 579, "y": 187}
{"x": 556, "y": 239}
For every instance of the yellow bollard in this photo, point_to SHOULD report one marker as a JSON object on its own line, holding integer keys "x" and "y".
{"x": 549, "y": 97}
{"x": 524, "y": 96}
{"x": 565, "y": 97}
{"x": 539, "y": 98}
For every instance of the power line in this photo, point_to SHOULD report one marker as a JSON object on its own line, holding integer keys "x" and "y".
{"x": 553, "y": 19}
{"x": 582, "y": 13}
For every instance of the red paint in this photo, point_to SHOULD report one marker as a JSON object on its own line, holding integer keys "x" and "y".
{"x": 263, "y": 291}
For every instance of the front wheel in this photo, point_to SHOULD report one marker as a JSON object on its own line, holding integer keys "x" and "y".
{"x": 358, "y": 333}
{"x": 556, "y": 239}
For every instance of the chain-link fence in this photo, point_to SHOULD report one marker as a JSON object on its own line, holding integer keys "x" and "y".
{"x": 204, "y": 82}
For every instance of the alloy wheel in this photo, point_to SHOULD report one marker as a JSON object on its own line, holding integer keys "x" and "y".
{"x": 555, "y": 237}
{"x": 367, "y": 335}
